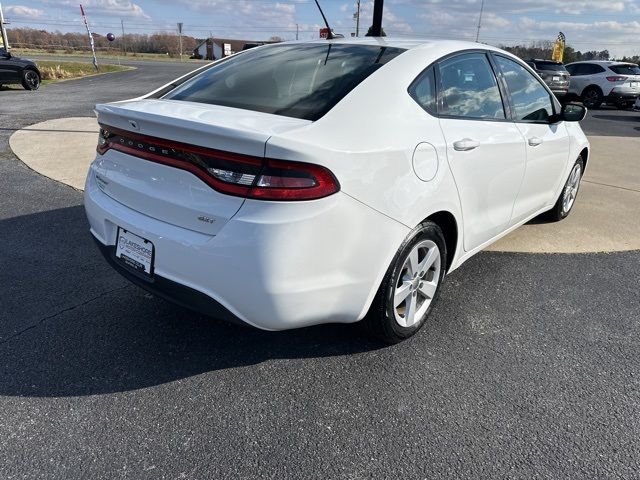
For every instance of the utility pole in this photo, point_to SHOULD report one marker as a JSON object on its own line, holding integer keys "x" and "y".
{"x": 124, "y": 42}
{"x": 180, "y": 38}
{"x": 376, "y": 27}
{"x": 480, "y": 21}
{"x": 3, "y": 32}
{"x": 358, "y": 20}
{"x": 296, "y": 31}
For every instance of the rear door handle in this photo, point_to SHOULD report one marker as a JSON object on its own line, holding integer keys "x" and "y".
{"x": 465, "y": 145}
{"x": 535, "y": 141}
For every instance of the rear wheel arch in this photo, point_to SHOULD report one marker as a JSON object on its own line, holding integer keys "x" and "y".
{"x": 449, "y": 226}
{"x": 585, "y": 156}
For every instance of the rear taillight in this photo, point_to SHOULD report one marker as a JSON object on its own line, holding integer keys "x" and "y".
{"x": 280, "y": 180}
{"x": 616, "y": 78}
{"x": 229, "y": 173}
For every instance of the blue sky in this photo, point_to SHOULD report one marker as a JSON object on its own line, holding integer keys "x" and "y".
{"x": 588, "y": 24}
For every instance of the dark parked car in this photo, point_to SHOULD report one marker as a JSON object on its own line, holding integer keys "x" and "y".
{"x": 18, "y": 70}
{"x": 554, "y": 74}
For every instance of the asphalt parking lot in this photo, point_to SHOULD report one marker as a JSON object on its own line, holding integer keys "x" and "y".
{"x": 528, "y": 367}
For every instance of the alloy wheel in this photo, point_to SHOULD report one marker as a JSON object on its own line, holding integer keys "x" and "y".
{"x": 571, "y": 189}
{"x": 590, "y": 98}
{"x": 31, "y": 79}
{"x": 417, "y": 284}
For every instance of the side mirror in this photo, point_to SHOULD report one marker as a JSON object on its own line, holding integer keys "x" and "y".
{"x": 573, "y": 112}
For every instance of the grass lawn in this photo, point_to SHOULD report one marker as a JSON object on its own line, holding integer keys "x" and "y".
{"x": 110, "y": 54}
{"x": 53, "y": 71}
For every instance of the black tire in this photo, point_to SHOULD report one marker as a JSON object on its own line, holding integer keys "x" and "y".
{"x": 592, "y": 97}
{"x": 559, "y": 212}
{"x": 30, "y": 79}
{"x": 381, "y": 318}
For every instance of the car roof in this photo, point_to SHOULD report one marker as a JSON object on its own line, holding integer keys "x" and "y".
{"x": 605, "y": 63}
{"x": 544, "y": 60}
{"x": 405, "y": 43}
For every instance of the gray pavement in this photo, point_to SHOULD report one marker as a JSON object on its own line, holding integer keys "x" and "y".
{"x": 527, "y": 369}
{"x": 612, "y": 122}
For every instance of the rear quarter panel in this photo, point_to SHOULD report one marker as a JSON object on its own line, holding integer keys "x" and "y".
{"x": 368, "y": 141}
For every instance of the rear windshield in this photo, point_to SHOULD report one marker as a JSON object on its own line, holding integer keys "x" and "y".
{"x": 625, "y": 69}
{"x": 555, "y": 67}
{"x": 301, "y": 81}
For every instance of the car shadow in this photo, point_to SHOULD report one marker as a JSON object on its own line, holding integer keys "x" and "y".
{"x": 71, "y": 326}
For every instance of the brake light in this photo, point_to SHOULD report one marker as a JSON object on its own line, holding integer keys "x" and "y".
{"x": 229, "y": 173}
{"x": 616, "y": 78}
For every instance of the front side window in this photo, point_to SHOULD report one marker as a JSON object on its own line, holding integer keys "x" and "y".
{"x": 531, "y": 101}
{"x": 574, "y": 70}
{"x": 469, "y": 88}
{"x": 301, "y": 80}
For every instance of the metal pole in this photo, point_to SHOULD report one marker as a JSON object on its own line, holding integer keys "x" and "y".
{"x": 358, "y": 20}
{"x": 480, "y": 20}
{"x": 296, "y": 31}
{"x": 93, "y": 47}
{"x": 5, "y": 40}
{"x": 376, "y": 28}
{"x": 180, "y": 38}
{"x": 124, "y": 43}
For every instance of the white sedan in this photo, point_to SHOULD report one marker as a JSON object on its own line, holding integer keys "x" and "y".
{"x": 329, "y": 181}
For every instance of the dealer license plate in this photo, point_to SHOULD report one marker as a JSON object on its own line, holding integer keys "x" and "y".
{"x": 134, "y": 251}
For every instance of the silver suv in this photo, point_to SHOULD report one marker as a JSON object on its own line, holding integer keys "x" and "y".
{"x": 554, "y": 75}
{"x": 598, "y": 82}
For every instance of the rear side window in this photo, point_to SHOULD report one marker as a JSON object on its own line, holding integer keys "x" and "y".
{"x": 469, "y": 88}
{"x": 625, "y": 69}
{"x": 423, "y": 90}
{"x": 301, "y": 81}
{"x": 532, "y": 102}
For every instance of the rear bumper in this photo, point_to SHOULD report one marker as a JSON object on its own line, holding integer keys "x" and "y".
{"x": 274, "y": 265}
{"x": 169, "y": 290}
{"x": 623, "y": 95}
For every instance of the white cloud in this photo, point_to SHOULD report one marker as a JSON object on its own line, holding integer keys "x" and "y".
{"x": 22, "y": 11}
{"x": 115, "y": 8}
{"x": 588, "y": 24}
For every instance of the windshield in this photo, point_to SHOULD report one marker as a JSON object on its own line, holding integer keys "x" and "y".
{"x": 552, "y": 66}
{"x": 300, "y": 80}
{"x": 625, "y": 69}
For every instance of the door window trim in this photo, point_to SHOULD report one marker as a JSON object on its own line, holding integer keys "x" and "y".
{"x": 505, "y": 94}
{"x": 438, "y": 88}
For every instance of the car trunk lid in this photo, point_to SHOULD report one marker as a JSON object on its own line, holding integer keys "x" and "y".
{"x": 153, "y": 167}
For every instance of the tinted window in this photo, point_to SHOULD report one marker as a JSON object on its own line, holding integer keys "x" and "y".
{"x": 550, "y": 66}
{"x": 592, "y": 69}
{"x": 530, "y": 99}
{"x": 574, "y": 70}
{"x": 301, "y": 81}
{"x": 469, "y": 87}
{"x": 625, "y": 69}
{"x": 579, "y": 69}
{"x": 423, "y": 90}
